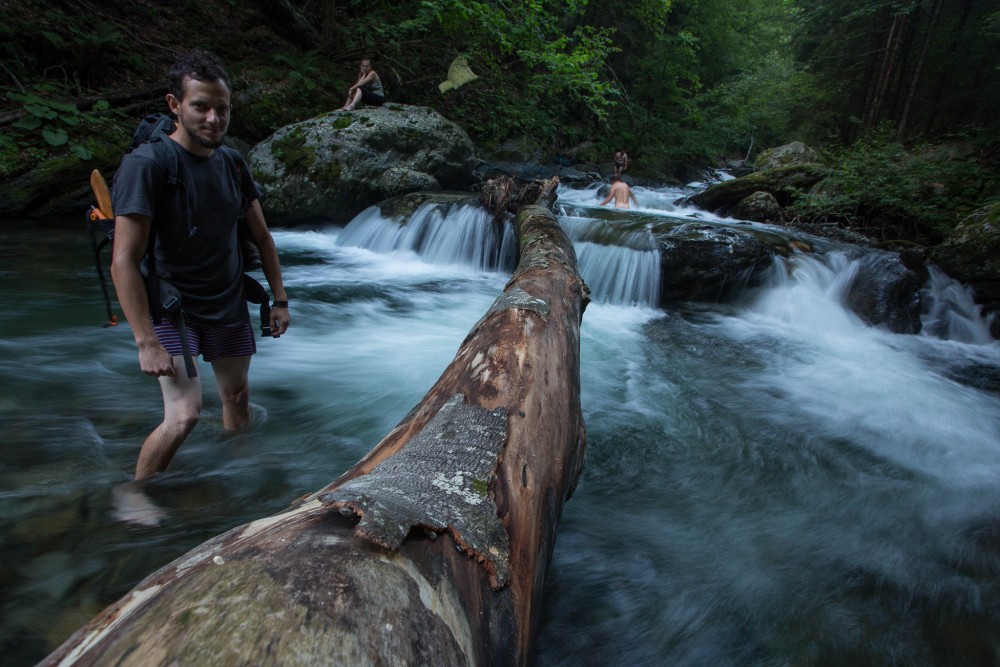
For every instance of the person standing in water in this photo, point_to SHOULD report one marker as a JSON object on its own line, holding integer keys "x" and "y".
{"x": 367, "y": 89}
{"x": 197, "y": 252}
{"x": 620, "y": 163}
{"x": 621, "y": 193}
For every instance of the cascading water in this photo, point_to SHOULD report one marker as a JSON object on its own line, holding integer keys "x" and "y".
{"x": 769, "y": 481}
{"x": 951, "y": 313}
{"x": 438, "y": 233}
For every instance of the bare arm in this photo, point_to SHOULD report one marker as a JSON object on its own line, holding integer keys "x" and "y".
{"x": 611, "y": 195}
{"x": 280, "y": 318}
{"x": 631, "y": 195}
{"x": 367, "y": 78}
{"x": 131, "y": 239}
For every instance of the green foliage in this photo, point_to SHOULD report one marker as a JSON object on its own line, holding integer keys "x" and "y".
{"x": 697, "y": 80}
{"x": 883, "y": 189}
{"x": 303, "y": 69}
{"x": 536, "y": 78}
{"x": 53, "y": 119}
{"x": 50, "y": 127}
{"x": 925, "y": 65}
{"x": 677, "y": 83}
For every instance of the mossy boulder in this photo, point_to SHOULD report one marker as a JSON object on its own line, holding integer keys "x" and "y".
{"x": 335, "y": 165}
{"x": 784, "y": 156}
{"x": 761, "y": 206}
{"x": 780, "y": 182}
{"x": 58, "y": 185}
{"x": 971, "y": 253}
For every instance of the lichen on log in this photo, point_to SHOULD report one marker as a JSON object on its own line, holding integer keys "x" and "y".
{"x": 440, "y": 480}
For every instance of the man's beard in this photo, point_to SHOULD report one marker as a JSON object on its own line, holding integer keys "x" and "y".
{"x": 205, "y": 143}
{"x": 202, "y": 141}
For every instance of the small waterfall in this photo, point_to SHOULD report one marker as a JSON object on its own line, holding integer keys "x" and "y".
{"x": 806, "y": 294}
{"x": 809, "y": 292}
{"x": 439, "y": 234}
{"x": 619, "y": 262}
{"x": 620, "y": 275}
{"x": 950, "y": 311}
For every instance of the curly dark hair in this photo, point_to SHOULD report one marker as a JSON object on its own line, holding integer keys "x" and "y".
{"x": 200, "y": 66}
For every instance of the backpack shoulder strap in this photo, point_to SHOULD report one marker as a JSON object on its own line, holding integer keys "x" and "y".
{"x": 234, "y": 159}
{"x": 165, "y": 154}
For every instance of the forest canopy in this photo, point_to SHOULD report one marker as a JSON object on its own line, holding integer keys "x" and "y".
{"x": 679, "y": 84}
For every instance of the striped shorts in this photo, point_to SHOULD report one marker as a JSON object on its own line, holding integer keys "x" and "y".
{"x": 210, "y": 342}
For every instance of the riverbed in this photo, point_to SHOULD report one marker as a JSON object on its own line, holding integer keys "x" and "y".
{"x": 768, "y": 481}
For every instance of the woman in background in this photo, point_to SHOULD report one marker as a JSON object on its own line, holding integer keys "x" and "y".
{"x": 368, "y": 88}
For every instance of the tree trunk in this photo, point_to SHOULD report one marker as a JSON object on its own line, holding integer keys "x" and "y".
{"x": 886, "y": 71}
{"x": 458, "y": 510}
{"x": 941, "y": 102}
{"x": 297, "y": 26}
{"x": 904, "y": 118}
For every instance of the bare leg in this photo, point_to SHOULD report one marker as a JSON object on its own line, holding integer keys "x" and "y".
{"x": 181, "y": 408}
{"x": 352, "y": 101}
{"x": 231, "y": 378}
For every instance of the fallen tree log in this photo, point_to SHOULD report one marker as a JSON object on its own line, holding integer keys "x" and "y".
{"x": 431, "y": 550}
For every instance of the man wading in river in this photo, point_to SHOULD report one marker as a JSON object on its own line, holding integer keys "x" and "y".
{"x": 195, "y": 231}
{"x": 621, "y": 193}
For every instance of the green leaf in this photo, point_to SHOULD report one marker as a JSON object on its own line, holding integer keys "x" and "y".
{"x": 41, "y": 111}
{"x": 81, "y": 152}
{"x": 68, "y": 107}
{"x": 29, "y": 123}
{"x": 55, "y": 137}
{"x": 55, "y": 39}
{"x": 69, "y": 120}
{"x": 102, "y": 105}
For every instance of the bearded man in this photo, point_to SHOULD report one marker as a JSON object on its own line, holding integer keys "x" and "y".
{"x": 193, "y": 223}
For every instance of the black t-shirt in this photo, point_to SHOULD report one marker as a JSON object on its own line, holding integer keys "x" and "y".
{"x": 196, "y": 244}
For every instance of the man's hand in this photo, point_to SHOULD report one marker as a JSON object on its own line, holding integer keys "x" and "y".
{"x": 155, "y": 360}
{"x": 280, "y": 319}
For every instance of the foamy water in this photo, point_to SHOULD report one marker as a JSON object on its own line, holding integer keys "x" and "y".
{"x": 767, "y": 482}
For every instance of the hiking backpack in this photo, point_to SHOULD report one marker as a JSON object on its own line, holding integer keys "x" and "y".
{"x": 164, "y": 300}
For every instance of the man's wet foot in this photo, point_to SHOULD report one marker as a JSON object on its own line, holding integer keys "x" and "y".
{"x": 130, "y": 504}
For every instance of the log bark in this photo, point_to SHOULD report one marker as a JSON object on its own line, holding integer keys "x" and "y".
{"x": 431, "y": 550}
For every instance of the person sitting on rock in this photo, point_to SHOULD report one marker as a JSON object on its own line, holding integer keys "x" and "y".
{"x": 367, "y": 89}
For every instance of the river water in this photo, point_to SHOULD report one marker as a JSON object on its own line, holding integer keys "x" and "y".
{"x": 768, "y": 482}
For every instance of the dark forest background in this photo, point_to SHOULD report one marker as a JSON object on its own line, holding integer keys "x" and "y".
{"x": 898, "y": 95}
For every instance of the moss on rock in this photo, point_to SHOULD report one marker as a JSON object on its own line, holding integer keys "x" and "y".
{"x": 972, "y": 251}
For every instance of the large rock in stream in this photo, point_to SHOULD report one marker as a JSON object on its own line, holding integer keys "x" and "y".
{"x": 886, "y": 290}
{"x": 705, "y": 262}
{"x": 334, "y": 166}
{"x": 971, "y": 254}
{"x": 780, "y": 182}
{"x": 709, "y": 262}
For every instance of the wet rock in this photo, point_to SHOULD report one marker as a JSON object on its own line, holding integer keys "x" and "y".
{"x": 580, "y": 174}
{"x": 971, "y": 253}
{"x": 708, "y": 262}
{"x": 780, "y": 182}
{"x": 885, "y": 292}
{"x": 759, "y": 207}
